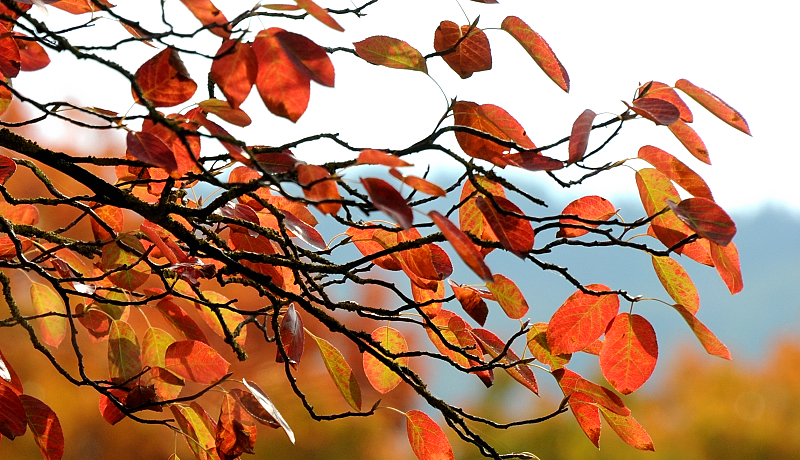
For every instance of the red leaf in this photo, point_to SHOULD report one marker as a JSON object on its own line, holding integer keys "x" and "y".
{"x": 581, "y": 320}
{"x": 283, "y": 87}
{"x": 676, "y": 171}
{"x": 13, "y": 421}
{"x": 45, "y": 300}
{"x": 182, "y": 322}
{"x": 658, "y": 90}
{"x": 470, "y": 218}
{"x": 471, "y": 302}
{"x": 419, "y": 184}
{"x": 7, "y": 168}
{"x": 473, "y": 54}
{"x": 254, "y": 408}
{"x": 108, "y": 410}
{"x": 538, "y": 49}
{"x": 385, "y": 198}
{"x": 571, "y": 382}
{"x": 463, "y": 246}
{"x": 689, "y": 138}
{"x": 579, "y": 138}
{"x": 390, "y": 52}
{"x": 318, "y": 185}
{"x": 10, "y": 60}
{"x": 147, "y": 147}
{"x": 112, "y": 216}
{"x": 164, "y": 80}
{"x": 223, "y": 110}
{"x": 628, "y": 429}
{"x": 427, "y": 439}
{"x": 515, "y": 234}
{"x": 236, "y": 430}
{"x": 706, "y": 218}
{"x": 508, "y": 296}
{"x": 491, "y": 120}
{"x": 78, "y": 6}
{"x": 587, "y": 414}
{"x": 124, "y": 353}
{"x": 588, "y": 207}
{"x": 45, "y": 427}
{"x": 235, "y": 70}
{"x": 5, "y": 11}
{"x": 381, "y": 377}
{"x": 8, "y": 375}
{"x": 266, "y": 403}
{"x": 658, "y": 111}
{"x": 629, "y": 352}
{"x": 292, "y": 336}
{"x": 303, "y": 231}
{"x": 340, "y": 372}
{"x": 533, "y": 161}
{"x": 494, "y": 346}
{"x": 209, "y": 16}
{"x": 714, "y": 105}
{"x": 196, "y": 361}
{"x": 537, "y": 344}
{"x": 677, "y": 282}
{"x": 320, "y": 14}
{"x": 726, "y": 261}
{"x": 707, "y": 338}
{"x": 32, "y": 55}
{"x": 379, "y": 157}
{"x": 309, "y": 58}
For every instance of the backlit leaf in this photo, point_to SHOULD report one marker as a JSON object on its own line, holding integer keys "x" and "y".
{"x": 628, "y": 429}
{"x": 209, "y": 16}
{"x": 164, "y": 80}
{"x": 254, "y": 408}
{"x": 494, "y": 347}
{"x": 53, "y": 329}
{"x": 108, "y": 410}
{"x": 472, "y": 303}
{"x": 714, "y": 105}
{"x": 470, "y": 218}
{"x": 198, "y": 430}
{"x": 10, "y": 61}
{"x": 318, "y": 185}
{"x": 232, "y": 319}
{"x": 379, "y": 157}
{"x": 457, "y": 333}
{"x": 581, "y": 320}
{"x": 79, "y": 6}
{"x": 32, "y": 54}
{"x": 658, "y": 90}
{"x": 235, "y": 70}
{"x": 473, "y": 54}
{"x": 320, "y": 14}
{"x": 629, "y": 353}
{"x": 508, "y": 296}
{"x": 654, "y": 190}
{"x": 196, "y": 361}
{"x": 706, "y": 218}
{"x": 587, "y": 414}
{"x": 590, "y": 207}
{"x": 726, "y": 261}
{"x": 292, "y": 336}
{"x": 13, "y": 421}
{"x": 309, "y": 58}
{"x": 7, "y": 168}
{"x": 537, "y": 344}
{"x": 429, "y": 300}
{"x": 419, "y": 184}
{"x": 124, "y": 354}
{"x": 492, "y": 120}
{"x": 236, "y": 430}
{"x": 571, "y": 382}
{"x": 154, "y": 347}
{"x": 677, "y": 282}
{"x": 367, "y": 244}
{"x": 538, "y": 49}
{"x": 515, "y": 234}
{"x": 340, "y": 372}
{"x": 707, "y": 338}
{"x": 284, "y": 89}
{"x": 658, "y": 111}
{"x": 463, "y": 246}
{"x": 390, "y": 52}
{"x": 676, "y": 171}
{"x": 381, "y": 377}
{"x": 579, "y": 139}
{"x": 181, "y": 321}
{"x": 689, "y": 138}
{"x": 45, "y": 427}
{"x": 427, "y": 439}
{"x": 9, "y": 376}
{"x": 223, "y": 110}
{"x": 387, "y": 199}
{"x": 266, "y": 403}
{"x": 147, "y": 147}
{"x": 533, "y": 161}
{"x": 112, "y": 216}
{"x": 115, "y": 257}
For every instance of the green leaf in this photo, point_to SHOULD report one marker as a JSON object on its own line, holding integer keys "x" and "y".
{"x": 390, "y": 52}
{"x": 124, "y": 355}
{"x": 154, "y": 347}
{"x": 45, "y": 300}
{"x": 340, "y": 372}
{"x": 537, "y": 344}
{"x": 508, "y": 296}
{"x": 381, "y": 377}
{"x": 135, "y": 272}
{"x": 677, "y": 282}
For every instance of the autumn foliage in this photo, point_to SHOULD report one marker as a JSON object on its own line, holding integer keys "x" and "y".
{"x": 304, "y": 237}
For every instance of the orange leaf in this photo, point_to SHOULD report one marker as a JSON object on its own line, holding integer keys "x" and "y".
{"x": 628, "y": 429}
{"x": 629, "y": 353}
{"x": 579, "y": 139}
{"x": 537, "y": 344}
{"x": 385, "y": 198}
{"x": 508, "y": 296}
{"x": 463, "y": 246}
{"x": 689, "y": 138}
{"x": 706, "y": 218}
{"x": 677, "y": 282}
{"x": 10, "y": 60}
{"x": 284, "y": 89}
{"x": 428, "y": 299}
{"x": 379, "y": 157}
{"x": 658, "y": 111}
{"x": 164, "y": 80}
{"x": 658, "y": 90}
{"x": 318, "y": 185}
{"x": 320, "y": 14}
{"x": 581, "y": 320}
{"x": 571, "y": 382}
{"x": 114, "y": 257}
{"x": 390, "y": 52}
{"x": 654, "y": 190}
{"x": 235, "y": 70}
{"x": 726, "y": 261}
{"x": 381, "y": 377}
{"x": 340, "y": 372}
{"x": 587, "y": 414}
{"x": 367, "y": 244}
{"x": 714, "y": 105}
{"x": 427, "y": 439}
{"x": 538, "y": 49}
{"x": 419, "y": 184}
{"x": 209, "y": 16}
{"x": 45, "y": 427}
{"x": 470, "y": 218}
{"x": 79, "y": 6}
{"x": 491, "y": 120}
{"x": 473, "y": 54}
{"x": 196, "y": 361}
{"x": 588, "y": 207}
{"x": 236, "y": 430}
{"x": 457, "y": 333}
{"x": 515, "y": 234}
{"x": 676, "y": 171}
{"x": 46, "y": 301}
{"x": 182, "y": 322}
{"x": 494, "y": 346}
{"x": 472, "y": 303}
{"x": 707, "y": 338}
{"x": 112, "y": 216}
{"x": 32, "y": 55}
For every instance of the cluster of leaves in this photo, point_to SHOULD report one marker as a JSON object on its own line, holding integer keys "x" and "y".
{"x": 260, "y": 232}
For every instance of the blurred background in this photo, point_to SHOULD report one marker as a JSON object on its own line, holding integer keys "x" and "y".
{"x": 695, "y": 406}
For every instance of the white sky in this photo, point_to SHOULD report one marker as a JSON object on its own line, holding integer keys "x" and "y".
{"x": 744, "y": 53}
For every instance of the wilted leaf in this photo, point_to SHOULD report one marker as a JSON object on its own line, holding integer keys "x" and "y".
{"x": 538, "y": 49}
{"x": 427, "y": 439}
{"x": 164, "y": 80}
{"x": 390, "y": 52}
{"x": 45, "y": 427}
{"x": 726, "y": 261}
{"x": 196, "y": 361}
{"x": 508, "y": 296}
{"x": 590, "y": 207}
{"x": 45, "y": 301}
{"x": 236, "y": 430}
{"x": 579, "y": 139}
{"x": 581, "y": 320}
{"x": 629, "y": 353}
{"x": 706, "y": 218}
{"x": 340, "y": 371}
{"x": 381, "y": 377}
{"x": 265, "y": 402}
{"x": 676, "y": 171}
{"x": 473, "y": 54}
{"x": 714, "y": 105}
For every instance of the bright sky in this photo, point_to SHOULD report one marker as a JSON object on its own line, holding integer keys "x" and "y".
{"x": 743, "y": 52}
